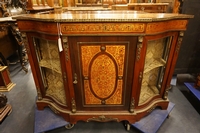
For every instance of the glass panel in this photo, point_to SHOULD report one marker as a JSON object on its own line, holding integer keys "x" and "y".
{"x": 50, "y": 68}
{"x": 155, "y": 61}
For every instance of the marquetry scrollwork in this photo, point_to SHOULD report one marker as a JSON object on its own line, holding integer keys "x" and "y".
{"x": 132, "y": 105}
{"x": 139, "y": 47}
{"x": 160, "y": 27}
{"x": 102, "y": 118}
{"x": 102, "y": 27}
{"x": 66, "y": 47}
{"x": 73, "y": 103}
{"x": 180, "y": 38}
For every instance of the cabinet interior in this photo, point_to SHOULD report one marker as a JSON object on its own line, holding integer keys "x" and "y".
{"x": 50, "y": 67}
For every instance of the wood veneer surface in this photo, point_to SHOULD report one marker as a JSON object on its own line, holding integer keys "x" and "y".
{"x": 102, "y": 16}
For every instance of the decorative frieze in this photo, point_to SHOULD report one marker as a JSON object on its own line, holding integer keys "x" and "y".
{"x": 103, "y": 27}
{"x": 158, "y": 27}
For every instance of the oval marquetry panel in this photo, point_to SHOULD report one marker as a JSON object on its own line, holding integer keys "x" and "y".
{"x": 103, "y": 76}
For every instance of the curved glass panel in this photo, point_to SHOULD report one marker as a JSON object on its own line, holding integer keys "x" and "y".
{"x": 50, "y": 68}
{"x": 155, "y": 61}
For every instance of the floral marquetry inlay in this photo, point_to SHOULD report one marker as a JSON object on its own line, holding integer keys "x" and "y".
{"x": 102, "y": 27}
{"x": 166, "y": 26}
{"x": 103, "y": 73}
{"x": 103, "y": 76}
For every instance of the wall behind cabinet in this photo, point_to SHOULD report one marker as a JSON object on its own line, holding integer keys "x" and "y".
{"x": 189, "y": 56}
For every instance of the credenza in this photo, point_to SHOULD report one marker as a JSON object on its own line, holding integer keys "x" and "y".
{"x": 102, "y": 65}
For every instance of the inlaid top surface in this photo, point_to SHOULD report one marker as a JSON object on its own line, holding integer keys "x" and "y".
{"x": 102, "y": 16}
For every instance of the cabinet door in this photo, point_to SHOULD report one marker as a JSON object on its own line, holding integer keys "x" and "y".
{"x": 49, "y": 67}
{"x": 157, "y": 62}
{"x": 103, "y": 71}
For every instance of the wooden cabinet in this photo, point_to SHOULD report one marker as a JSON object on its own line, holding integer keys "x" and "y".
{"x": 111, "y": 68}
{"x": 149, "y": 7}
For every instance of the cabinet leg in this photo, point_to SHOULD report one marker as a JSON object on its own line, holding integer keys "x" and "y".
{"x": 69, "y": 126}
{"x": 127, "y": 125}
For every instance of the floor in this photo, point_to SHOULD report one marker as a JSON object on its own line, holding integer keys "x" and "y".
{"x": 184, "y": 117}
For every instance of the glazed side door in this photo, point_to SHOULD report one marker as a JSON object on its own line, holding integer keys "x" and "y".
{"x": 102, "y": 71}
{"x": 153, "y": 66}
{"x": 48, "y": 69}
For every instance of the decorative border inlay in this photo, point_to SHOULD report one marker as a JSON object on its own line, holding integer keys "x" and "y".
{"x": 103, "y": 27}
{"x": 166, "y": 26}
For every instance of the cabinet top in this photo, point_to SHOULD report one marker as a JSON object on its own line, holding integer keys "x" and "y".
{"x": 102, "y": 16}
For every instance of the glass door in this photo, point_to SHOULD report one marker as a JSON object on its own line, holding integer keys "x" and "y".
{"x": 156, "y": 57}
{"x": 50, "y": 68}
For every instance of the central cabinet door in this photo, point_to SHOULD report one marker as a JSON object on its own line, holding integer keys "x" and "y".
{"x": 102, "y": 71}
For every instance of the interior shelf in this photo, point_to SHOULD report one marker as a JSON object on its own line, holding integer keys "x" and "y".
{"x": 53, "y": 64}
{"x": 153, "y": 63}
{"x": 147, "y": 92}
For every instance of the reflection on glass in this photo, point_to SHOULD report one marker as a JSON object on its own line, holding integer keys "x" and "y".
{"x": 50, "y": 68}
{"x": 155, "y": 61}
